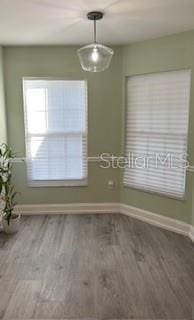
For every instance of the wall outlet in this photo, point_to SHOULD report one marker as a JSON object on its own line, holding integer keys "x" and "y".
{"x": 111, "y": 184}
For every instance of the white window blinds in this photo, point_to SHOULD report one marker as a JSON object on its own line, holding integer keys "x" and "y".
{"x": 156, "y": 132}
{"x": 56, "y": 131}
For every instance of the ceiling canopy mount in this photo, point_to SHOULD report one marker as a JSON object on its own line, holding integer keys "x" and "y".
{"x": 95, "y": 15}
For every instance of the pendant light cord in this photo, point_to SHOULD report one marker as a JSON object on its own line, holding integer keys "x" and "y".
{"x": 94, "y": 30}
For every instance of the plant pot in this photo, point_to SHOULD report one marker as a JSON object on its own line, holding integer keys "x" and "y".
{"x": 13, "y": 225}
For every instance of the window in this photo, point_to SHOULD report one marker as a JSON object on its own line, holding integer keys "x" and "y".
{"x": 56, "y": 131}
{"x": 156, "y": 132}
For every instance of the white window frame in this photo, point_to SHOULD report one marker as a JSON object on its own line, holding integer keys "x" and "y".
{"x": 56, "y": 183}
{"x": 143, "y": 189}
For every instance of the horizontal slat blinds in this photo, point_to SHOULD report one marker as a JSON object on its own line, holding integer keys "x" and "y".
{"x": 56, "y": 131}
{"x": 156, "y": 132}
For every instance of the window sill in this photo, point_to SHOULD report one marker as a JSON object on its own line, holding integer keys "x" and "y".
{"x": 63, "y": 183}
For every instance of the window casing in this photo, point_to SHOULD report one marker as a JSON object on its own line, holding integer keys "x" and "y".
{"x": 156, "y": 128}
{"x": 55, "y": 112}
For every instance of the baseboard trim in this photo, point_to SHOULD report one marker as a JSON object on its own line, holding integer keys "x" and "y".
{"x": 191, "y": 233}
{"x": 156, "y": 219}
{"x": 72, "y": 208}
{"x": 137, "y": 213}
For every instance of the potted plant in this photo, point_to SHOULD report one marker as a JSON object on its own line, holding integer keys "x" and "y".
{"x": 10, "y": 221}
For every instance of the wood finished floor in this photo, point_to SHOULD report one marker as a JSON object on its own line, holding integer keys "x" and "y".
{"x": 95, "y": 267}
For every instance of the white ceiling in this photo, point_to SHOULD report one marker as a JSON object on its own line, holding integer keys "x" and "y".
{"x": 25, "y": 22}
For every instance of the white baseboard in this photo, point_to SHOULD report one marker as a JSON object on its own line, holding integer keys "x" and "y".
{"x": 81, "y": 208}
{"x": 191, "y": 233}
{"x": 72, "y": 208}
{"x": 156, "y": 219}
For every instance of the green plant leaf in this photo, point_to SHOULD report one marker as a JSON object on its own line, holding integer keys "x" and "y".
{"x": 13, "y": 195}
{"x": 7, "y": 193}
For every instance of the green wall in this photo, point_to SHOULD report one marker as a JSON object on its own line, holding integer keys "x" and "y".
{"x": 192, "y": 211}
{"x": 104, "y": 90}
{"x": 3, "y": 132}
{"x": 167, "y": 53}
{"x": 106, "y": 117}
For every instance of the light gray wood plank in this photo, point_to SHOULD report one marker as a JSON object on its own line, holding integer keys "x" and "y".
{"x": 23, "y": 301}
{"x": 95, "y": 267}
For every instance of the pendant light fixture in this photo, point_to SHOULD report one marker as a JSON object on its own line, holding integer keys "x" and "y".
{"x": 95, "y": 57}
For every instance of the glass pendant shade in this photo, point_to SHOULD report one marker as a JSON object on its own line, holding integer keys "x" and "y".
{"x": 95, "y": 57}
